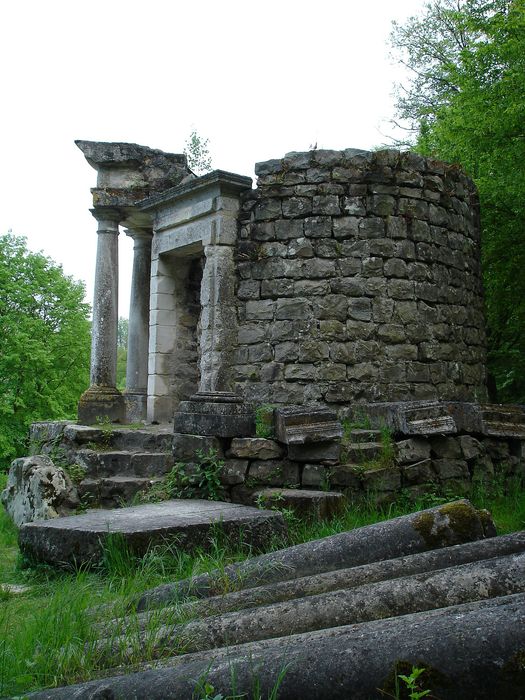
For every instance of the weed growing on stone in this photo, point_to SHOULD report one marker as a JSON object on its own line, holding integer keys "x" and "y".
{"x": 49, "y": 634}
{"x": 199, "y": 480}
{"x": 264, "y": 421}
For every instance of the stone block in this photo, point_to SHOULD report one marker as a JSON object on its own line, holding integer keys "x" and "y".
{"x": 380, "y": 480}
{"x": 255, "y": 448}
{"x": 294, "y": 207}
{"x": 348, "y": 476}
{"x": 296, "y": 425}
{"x": 314, "y": 475}
{"x": 233, "y": 472}
{"x": 186, "y": 446}
{"x": 412, "y": 450}
{"x": 304, "y": 503}
{"x": 446, "y": 447}
{"x": 328, "y": 451}
{"x": 419, "y": 473}
{"x": 451, "y": 469}
{"x": 80, "y": 539}
{"x": 274, "y": 473}
{"x": 470, "y": 447}
{"x": 36, "y": 489}
{"x": 214, "y": 419}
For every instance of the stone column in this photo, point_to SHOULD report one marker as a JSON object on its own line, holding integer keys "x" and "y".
{"x": 138, "y": 330}
{"x": 102, "y": 399}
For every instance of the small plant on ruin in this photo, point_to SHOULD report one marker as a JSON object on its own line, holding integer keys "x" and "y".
{"x": 200, "y": 480}
{"x": 264, "y": 421}
{"x": 106, "y": 427}
{"x": 411, "y": 682}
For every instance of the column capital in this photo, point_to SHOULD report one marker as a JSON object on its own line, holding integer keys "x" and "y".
{"x": 107, "y": 214}
{"x": 139, "y": 234}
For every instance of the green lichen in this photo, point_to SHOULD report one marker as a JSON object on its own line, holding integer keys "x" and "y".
{"x": 459, "y": 522}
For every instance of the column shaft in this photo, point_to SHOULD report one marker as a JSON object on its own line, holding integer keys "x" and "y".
{"x": 138, "y": 330}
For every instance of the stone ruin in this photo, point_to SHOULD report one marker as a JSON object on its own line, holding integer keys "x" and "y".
{"x": 345, "y": 287}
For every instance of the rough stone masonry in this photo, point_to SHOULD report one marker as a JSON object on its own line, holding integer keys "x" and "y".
{"x": 345, "y": 275}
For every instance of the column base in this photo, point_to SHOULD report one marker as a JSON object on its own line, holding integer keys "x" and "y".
{"x": 219, "y": 414}
{"x": 100, "y": 403}
{"x": 136, "y": 406}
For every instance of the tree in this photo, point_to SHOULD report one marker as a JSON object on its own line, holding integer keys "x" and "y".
{"x": 197, "y": 152}
{"x": 45, "y": 346}
{"x": 465, "y": 103}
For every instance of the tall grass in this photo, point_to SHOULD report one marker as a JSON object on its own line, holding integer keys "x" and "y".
{"x": 48, "y": 636}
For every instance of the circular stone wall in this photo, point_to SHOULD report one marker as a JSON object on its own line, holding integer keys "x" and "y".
{"x": 358, "y": 278}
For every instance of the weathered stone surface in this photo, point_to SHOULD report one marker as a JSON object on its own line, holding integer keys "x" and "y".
{"x": 255, "y": 448}
{"x": 408, "y": 594}
{"x": 186, "y": 447}
{"x": 79, "y": 538}
{"x": 37, "y": 490}
{"x": 309, "y": 504}
{"x": 214, "y": 419}
{"x": 299, "y": 425}
{"x": 453, "y": 523}
{"x": 472, "y": 650}
{"x": 344, "y": 579}
{"x": 274, "y": 472}
{"x": 329, "y": 452}
{"x": 412, "y": 450}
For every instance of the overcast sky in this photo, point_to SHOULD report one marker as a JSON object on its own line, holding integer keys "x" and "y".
{"x": 257, "y": 79}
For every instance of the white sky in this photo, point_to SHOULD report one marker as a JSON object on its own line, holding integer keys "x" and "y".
{"x": 258, "y": 79}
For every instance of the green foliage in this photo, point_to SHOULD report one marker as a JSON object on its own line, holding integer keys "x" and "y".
{"x": 466, "y": 103}
{"x": 196, "y": 150}
{"x": 412, "y": 685}
{"x": 264, "y": 427}
{"x": 44, "y": 356}
{"x": 200, "y": 480}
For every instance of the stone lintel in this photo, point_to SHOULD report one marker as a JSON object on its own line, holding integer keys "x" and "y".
{"x": 225, "y": 182}
{"x": 297, "y": 425}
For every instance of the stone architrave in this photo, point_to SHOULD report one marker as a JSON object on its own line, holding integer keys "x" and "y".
{"x": 103, "y": 399}
{"x": 138, "y": 330}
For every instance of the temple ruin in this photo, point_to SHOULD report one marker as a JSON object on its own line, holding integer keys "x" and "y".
{"x": 344, "y": 276}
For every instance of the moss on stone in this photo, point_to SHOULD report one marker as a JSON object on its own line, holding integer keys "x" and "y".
{"x": 459, "y": 518}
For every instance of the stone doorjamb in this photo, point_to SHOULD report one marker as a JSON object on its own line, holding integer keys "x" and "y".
{"x": 197, "y": 217}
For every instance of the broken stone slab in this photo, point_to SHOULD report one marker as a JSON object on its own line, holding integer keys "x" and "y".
{"x": 471, "y": 652}
{"x": 46, "y": 431}
{"x": 342, "y": 578}
{"x": 36, "y": 489}
{"x": 496, "y": 420}
{"x": 303, "y": 502}
{"x": 215, "y": 418}
{"x": 408, "y": 417}
{"x": 391, "y": 598}
{"x": 80, "y": 538}
{"x": 255, "y": 448}
{"x": 442, "y": 526}
{"x": 296, "y": 425}
{"x": 359, "y": 452}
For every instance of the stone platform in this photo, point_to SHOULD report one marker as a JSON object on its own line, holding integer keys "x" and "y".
{"x": 79, "y": 539}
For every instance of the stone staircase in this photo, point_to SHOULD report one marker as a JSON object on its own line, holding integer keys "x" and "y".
{"x": 115, "y": 463}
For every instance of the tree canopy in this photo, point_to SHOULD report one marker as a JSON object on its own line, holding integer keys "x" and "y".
{"x": 465, "y": 103}
{"x": 197, "y": 151}
{"x": 45, "y": 343}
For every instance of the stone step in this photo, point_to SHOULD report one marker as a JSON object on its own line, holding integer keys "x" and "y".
{"x": 153, "y": 439}
{"x": 114, "y": 491}
{"x": 124, "y": 463}
{"x": 303, "y": 502}
{"x": 79, "y": 539}
{"x": 359, "y": 452}
{"x": 365, "y": 435}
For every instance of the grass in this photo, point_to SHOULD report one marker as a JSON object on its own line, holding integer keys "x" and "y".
{"x": 47, "y": 635}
